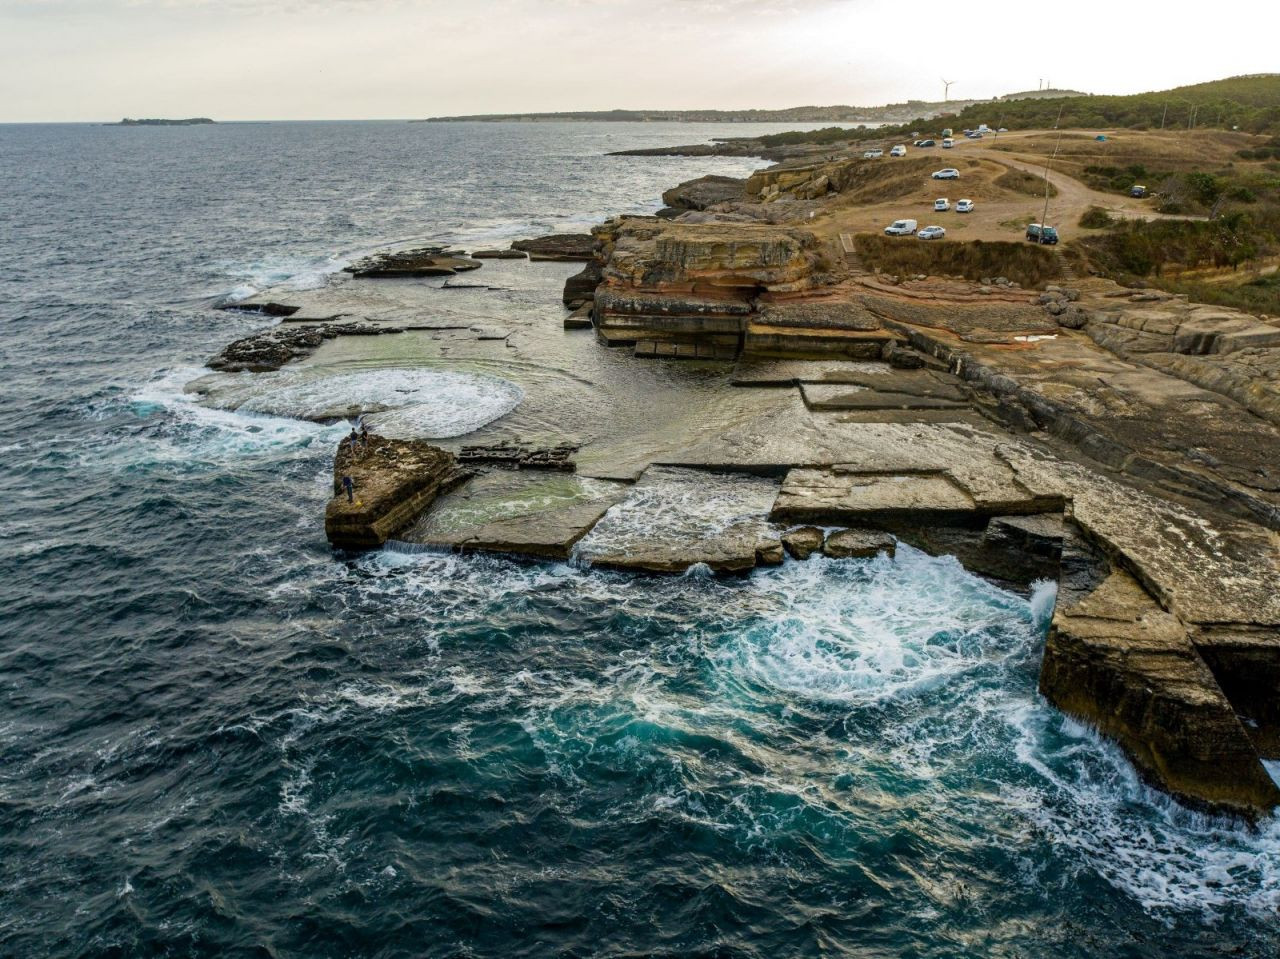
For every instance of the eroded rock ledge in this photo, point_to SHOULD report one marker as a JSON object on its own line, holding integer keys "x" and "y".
{"x": 271, "y": 349}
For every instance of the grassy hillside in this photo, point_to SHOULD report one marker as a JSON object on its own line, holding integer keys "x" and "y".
{"x": 1251, "y": 103}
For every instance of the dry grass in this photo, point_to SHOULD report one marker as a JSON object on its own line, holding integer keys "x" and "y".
{"x": 1024, "y": 263}
{"x": 1027, "y": 184}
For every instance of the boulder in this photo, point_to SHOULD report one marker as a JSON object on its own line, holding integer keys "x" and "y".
{"x": 858, "y": 543}
{"x": 1073, "y": 318}
{"x": 558, "y": 246}
{"x": 395, "y": 481}
{"x": 803, "y": 542}
{"x": 705, "y": 191}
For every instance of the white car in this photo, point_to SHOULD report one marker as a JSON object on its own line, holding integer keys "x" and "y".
{"x": 899, "y": 151}
{"x": 873, "y": 155}
{"x": 950, "y": 173}
{"x": 941, "y": 205}
{"x": 900, "y": 228}
{"x": 932, "y": 233}
{"x": 948, "y": 143}
{"x": 964, "y": 206}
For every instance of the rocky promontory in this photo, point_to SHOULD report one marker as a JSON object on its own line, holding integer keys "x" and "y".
{"x": 393, "y": 482}
{"x": 1120, "y": 442}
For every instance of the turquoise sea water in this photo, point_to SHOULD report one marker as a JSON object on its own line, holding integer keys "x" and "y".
{"x": 217, "y": 738}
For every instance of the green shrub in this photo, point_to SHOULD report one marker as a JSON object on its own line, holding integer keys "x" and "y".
{"x": 1096, "y": 218}
{"x": 1025, "y": 263}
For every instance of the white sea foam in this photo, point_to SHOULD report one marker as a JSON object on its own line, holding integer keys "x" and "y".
{"x": 285, "y": 273}
{"x": 1089, "y": 802}
{"x": 943, "y": 656}
{"x": 425, "y": 403}
{"x": 194, "y": 431}
{"x": 864, "y": 631}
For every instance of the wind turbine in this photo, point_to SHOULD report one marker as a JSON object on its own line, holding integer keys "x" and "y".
{"x": 946, "y": 89}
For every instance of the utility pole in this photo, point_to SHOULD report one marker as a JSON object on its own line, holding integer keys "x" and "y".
{"x": 1044, "y": 219}
{"x": 1165, "y": 114}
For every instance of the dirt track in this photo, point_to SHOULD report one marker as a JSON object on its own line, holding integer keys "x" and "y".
{"x": 999, "y": 213}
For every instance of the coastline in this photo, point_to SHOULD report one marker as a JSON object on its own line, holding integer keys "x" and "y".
{"x": 919, "y": 407}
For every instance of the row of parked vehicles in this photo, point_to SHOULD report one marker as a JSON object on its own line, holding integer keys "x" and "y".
{"x": 909, "y": 227}
{"x": 948, "y": 141}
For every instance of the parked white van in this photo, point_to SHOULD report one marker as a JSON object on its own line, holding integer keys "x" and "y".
{"x": 948, "y": 143}
{"x": 900, "y": 228}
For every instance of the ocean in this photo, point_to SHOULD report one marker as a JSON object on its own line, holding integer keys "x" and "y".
{"x": 217, "y": 737}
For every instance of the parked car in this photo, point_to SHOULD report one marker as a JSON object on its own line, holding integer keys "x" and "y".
{"x": 964, "y": 206}
{"x": 974, "y": 135}
{"x": 927, "y": 143}
{"x": 1003, "y": 130}
{"x": 947, "y": 132}
{"x": 899, "y": 151}
{"x": 900, "y": 228}
{"x": 941, "y": 205}
{"x": 916, "y": 143}
{"x": 949, "y": 173}
{"x": 1138, "y": 190}
{"x": 873, "y": 154}
{"x": 948, "y": 143}
{"x": 1038, "y": 233}
{"x": 932, "y": 233}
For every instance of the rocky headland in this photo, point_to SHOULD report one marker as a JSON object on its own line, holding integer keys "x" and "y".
{"x": 1119, "y": 442}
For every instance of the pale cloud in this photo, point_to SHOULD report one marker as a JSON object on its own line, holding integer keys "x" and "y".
{"x": 244, "y": 59}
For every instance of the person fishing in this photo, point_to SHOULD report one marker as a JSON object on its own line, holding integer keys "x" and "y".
{"x": 349, "y": 485}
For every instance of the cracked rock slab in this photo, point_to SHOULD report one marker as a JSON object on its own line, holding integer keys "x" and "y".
{"x": 1121, "y": 663}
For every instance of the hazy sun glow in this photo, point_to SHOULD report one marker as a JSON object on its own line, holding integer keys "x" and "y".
{"x": 308, "y": 59}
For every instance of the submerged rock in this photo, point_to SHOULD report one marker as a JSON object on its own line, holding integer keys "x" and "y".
{"x": 499, "y": 255}
{"x": 858, "y": 543}
{"x": 394, "y": 480}
{"x": 426, "y": 261}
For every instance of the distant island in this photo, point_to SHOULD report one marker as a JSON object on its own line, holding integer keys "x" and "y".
{"x": 889, "y": 113}
{"x": 188, "y": 122}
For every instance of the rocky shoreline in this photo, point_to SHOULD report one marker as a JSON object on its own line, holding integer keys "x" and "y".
{"x": 1119, "y": 442}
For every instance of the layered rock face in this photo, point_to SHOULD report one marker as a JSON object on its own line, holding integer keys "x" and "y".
{"x": 1123, "y": 664}
{"x": 646, "y": 253}
{"x": 395, "y": 481}
{"x": 697, "y": 282}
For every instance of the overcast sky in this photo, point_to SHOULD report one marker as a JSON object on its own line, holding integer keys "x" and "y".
{"x": 332, "y": 59}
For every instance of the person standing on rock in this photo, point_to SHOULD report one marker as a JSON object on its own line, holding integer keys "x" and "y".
{"x": 353, "y": 438}
{"x": 364, "y": 436}
{"x": 349, "y": 485}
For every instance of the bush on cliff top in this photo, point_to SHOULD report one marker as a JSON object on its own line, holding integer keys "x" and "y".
{"x": 1021, "y": 262}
